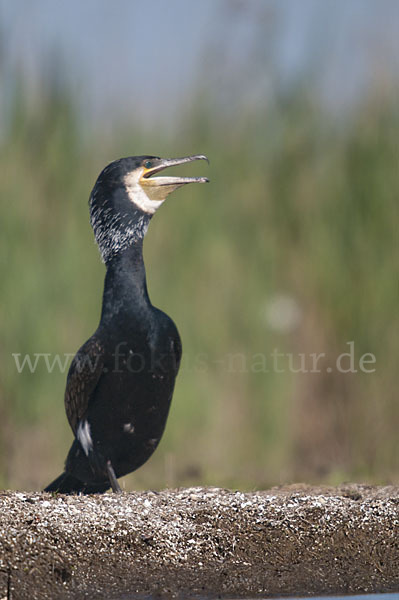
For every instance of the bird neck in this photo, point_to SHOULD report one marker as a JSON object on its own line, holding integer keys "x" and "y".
{"x": 125, "y": 286}
{"x": 115, "y": 231}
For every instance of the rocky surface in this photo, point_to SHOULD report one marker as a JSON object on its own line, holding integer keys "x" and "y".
{"x": 203, "y": 542}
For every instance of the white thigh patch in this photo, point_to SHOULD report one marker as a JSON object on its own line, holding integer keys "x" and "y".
{"x": 84, "y": 437}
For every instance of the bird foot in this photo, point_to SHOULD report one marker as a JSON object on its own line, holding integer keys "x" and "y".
{"x": 112, "y": 478}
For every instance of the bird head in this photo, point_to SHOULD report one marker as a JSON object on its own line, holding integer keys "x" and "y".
{"x": 126, "y": 195}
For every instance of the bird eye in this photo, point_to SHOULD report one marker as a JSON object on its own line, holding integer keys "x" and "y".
{"x": 148, "y": 164}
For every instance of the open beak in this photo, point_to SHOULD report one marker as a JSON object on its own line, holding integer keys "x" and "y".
{"x": 157, "y": 188}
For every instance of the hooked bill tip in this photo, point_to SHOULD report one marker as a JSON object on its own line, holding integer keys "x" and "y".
{"x": 202, "y": 157}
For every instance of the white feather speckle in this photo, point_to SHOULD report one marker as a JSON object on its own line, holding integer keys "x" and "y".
{"x": 114, "y": 232}
{"x": 128, "y": 428}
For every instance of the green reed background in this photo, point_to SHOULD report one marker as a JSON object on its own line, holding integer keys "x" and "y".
{"x": 301, "y": 213}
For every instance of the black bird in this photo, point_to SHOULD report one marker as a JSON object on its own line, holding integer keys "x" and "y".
{"x": 121, "y": 381}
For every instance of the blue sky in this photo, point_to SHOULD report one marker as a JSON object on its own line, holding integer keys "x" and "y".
{"x": 125, "y": 53}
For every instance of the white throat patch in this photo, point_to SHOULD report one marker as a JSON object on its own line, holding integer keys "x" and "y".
{"x": 137, "y": 194}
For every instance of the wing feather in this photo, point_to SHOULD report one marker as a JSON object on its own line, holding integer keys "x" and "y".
{"x": 83, "y": 376}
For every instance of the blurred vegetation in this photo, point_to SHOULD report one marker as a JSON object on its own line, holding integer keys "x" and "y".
{"x": 291, "y": 247}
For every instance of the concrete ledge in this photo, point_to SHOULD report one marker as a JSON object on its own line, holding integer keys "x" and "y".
{"x": 295, "y": 540}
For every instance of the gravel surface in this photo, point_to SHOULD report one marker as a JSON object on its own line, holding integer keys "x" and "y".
{"x": 203, "y": 542}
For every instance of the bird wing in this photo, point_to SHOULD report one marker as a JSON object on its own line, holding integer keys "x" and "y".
{"x": 177, "y": 349}
{"x": 84, "y": 374}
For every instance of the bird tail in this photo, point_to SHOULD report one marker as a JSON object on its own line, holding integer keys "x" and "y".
{"x": 69, "y": 484}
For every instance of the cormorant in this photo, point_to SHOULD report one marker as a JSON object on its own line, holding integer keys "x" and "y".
{"x": 120, "y": 383}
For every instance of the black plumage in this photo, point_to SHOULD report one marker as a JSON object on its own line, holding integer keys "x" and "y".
{"x": 121, "y": 381}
